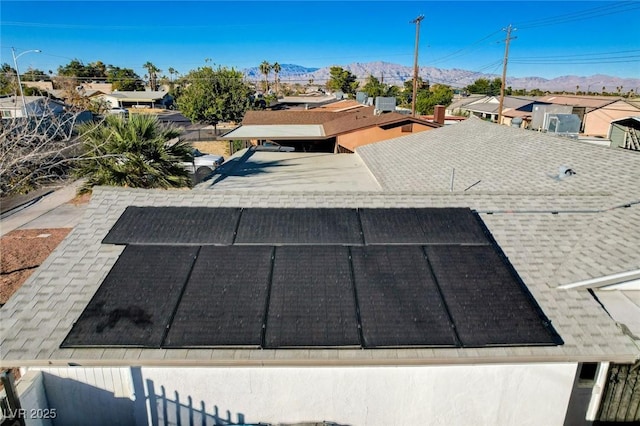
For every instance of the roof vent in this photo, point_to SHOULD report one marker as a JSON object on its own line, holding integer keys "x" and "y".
{"x": 565, "y": 172}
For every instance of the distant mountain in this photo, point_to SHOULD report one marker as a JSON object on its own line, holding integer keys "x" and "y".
{"x": 287, "y": 70}
{"x": 397, "y": 74}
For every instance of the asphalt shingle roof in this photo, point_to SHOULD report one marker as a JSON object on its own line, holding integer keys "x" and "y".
{"x": 553, "y": 232}
{"x": 39, "y": 316}
{"x": 500, "y": 159}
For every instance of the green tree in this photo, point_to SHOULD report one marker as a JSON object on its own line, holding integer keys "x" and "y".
{"x": 75, "y": 68}
{"x": 438, "y": 94}
{"x": 124, "y": 79}
{"x": 134, "y": 152}
{"x": 373, "y": 87}
{"x": 172, "y": 71}
{"x": 484, "y": 86}
{"x": 343, "y": 80}
{"x": 407, "y": 90}
{"x": 213, "y": 96}
{"x": 276, "y": 70}
{"x": 265, "y": 68}
{"x": 35, "y": 75}
{"x": 8, "y": 81}
{"x": 152, "y": 71}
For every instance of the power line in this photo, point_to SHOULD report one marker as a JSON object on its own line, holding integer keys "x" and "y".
{"x": 595, "y": 12}
{"x": 580, "y": 54}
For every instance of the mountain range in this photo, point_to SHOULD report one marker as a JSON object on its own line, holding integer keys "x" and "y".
{"x": 397, "y": 74}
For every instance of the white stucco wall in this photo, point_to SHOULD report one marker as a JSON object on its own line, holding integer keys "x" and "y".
{"x": 531, "y": 394}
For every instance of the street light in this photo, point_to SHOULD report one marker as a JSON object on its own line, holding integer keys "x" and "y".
{"x": 15, "y": 62}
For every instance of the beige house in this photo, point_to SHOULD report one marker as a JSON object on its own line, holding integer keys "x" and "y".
{"x": 596, "y": 112}
{"x": 598, "y": 121}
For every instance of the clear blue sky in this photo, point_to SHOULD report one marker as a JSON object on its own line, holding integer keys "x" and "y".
{"x": 554, "y": 38}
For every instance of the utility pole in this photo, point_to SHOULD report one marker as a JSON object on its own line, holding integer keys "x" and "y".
{"x": 415, "y": 65}
{"x": 504, "y": 70}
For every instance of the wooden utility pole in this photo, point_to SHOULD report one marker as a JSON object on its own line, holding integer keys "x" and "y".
{"x": 504, "y": 71}
{"x": 415, "y": 65}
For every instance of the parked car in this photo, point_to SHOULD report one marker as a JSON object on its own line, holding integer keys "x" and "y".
{"x": 202, "y": 165}
{"x": 118, "y": 111}
{"x": 274, "y": 146}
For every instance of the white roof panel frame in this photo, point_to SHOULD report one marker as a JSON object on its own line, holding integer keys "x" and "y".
{"x": 277, "y": 131}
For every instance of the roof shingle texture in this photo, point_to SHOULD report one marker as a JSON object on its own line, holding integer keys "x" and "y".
{"x": 39, "y": 316}
{"x": 500, "y": 159}
{"x": 554, "y": 231}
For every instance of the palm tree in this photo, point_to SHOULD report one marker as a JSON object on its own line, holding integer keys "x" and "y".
{"x": 153, "y": 75}
{"x": 265, "y": 68}
{"x": 276, "y": 71}
{"x": 172, "y": 71}
{"x": 134, "y": 152}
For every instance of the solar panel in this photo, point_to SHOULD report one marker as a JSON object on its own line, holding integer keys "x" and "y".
{"x": 451, "y": 226}
{"x": 317, "y": 277}
{"x": 136, "y": 301}
{"x": 299, "y": 226}
{"x": 398, "y": 299}
{"x": 488, "y": 304}
{"x": 312, "y": 301}
{"x": 225, "y": 299}
{"x": 174, "y": 226}
{"x": 421, "y": 226}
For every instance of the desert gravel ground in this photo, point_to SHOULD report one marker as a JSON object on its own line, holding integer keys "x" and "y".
{"x": 23, "y": 250}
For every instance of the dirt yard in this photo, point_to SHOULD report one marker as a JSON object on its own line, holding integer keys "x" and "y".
{"x": 213, "y": 147}
{"x": 22, "y": 252}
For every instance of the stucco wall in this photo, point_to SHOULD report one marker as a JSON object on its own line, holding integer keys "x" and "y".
{"x": 597, "y": 122}
{"x": 455, "y": 395}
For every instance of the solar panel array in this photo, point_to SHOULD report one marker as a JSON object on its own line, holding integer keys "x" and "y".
{"x": 283, "y": 278}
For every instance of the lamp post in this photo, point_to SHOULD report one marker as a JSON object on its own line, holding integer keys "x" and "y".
{"x": 15, "y": 62}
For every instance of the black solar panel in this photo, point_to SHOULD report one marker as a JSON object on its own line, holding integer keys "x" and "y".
{"x": 487, "y": 302}
{"x": 135, "y": 302}
{"x": 422, "y": 226}
{"x": 299, "y": 226}
{"x": 225, "y": 300}
{"x": 174, "y": 226}
{"x": 398, "y": 300}
{"x": 312, "y": 301}
{"x": 451, "y": 226}
{"x": 308, "y": 278}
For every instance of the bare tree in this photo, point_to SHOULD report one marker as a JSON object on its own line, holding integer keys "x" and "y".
{"x": 36, "y": 149}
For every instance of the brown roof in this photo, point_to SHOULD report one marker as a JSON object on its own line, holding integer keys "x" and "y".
{"x": 366, "y": 118}
{"x": 579, "y": 101}
{"x": 343, "y": 105}
{"x": 334, "y": 122}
